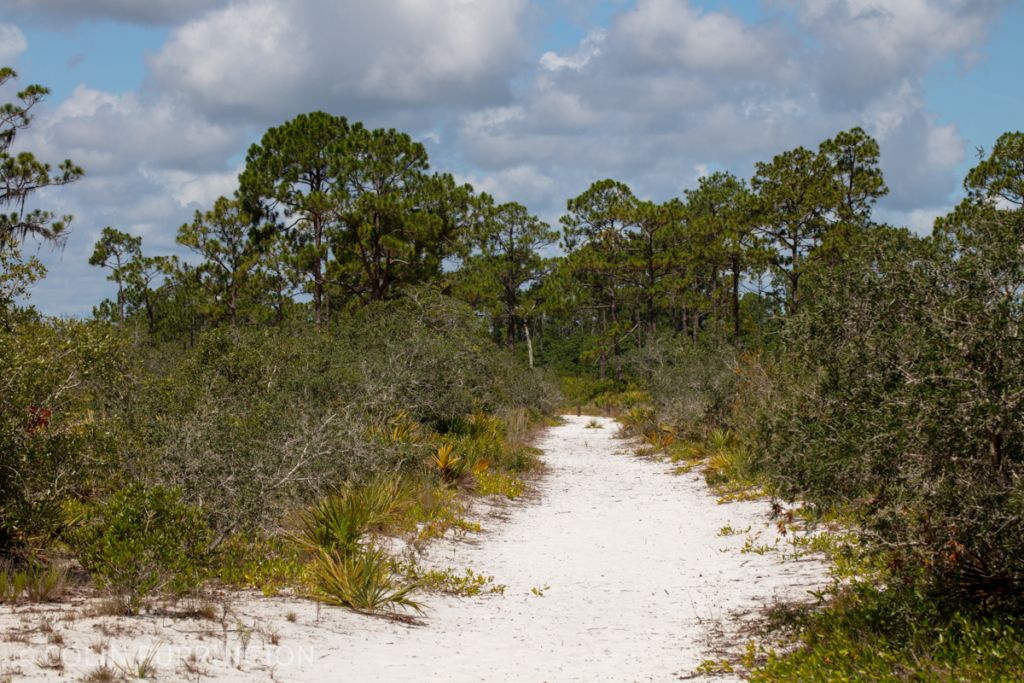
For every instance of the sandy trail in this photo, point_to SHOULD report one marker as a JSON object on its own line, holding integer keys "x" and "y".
{"x": 633, "y": 572}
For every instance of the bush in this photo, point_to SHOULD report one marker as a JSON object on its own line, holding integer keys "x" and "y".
{"x": 54, "y": 436}
{"x": 260, "y": 561}
{"x": 253, "y": 423}
{"x": 870, "y": 634}
{"x": 693, "y": 386}
{"x": 430, "y": 355}
{"x": 363, "y": 580}
{"x": 337, "y": 523}
{"x": 905, "y": 403}
{"x": 35, "y": 582}
{"x": 256, "y": 423}
{"x": 143, "y": 541}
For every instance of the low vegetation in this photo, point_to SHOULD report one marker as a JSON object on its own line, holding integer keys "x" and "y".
{"x": 142, "y": 541}
{"x": 362, "y": 578}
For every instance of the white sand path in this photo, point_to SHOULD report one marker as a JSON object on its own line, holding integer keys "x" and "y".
{"x": 634, "y": 573}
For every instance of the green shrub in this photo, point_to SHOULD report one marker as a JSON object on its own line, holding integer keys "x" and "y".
{"x": 728, "y": 460}
{"x": 498, "y": 483}
{"x": 143, "y": 541}
{"x": 265, "y": 563}
{"x": 54, "y": 439}
{"x": 46, "y": 584}
{"x": 256, "y": 423}
{"x": 467, "y": 583}
{"x": 870, "y": 634}
{"x": 362, "y": 580}
{"x": 337, "y": 523}
{"x": 902, "y": 400}
{"x": 429, "y": 354}
{"x": 692, "y": 387}
{"x": 584, "y": 391}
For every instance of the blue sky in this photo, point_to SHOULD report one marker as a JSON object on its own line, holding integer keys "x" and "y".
{"x": 104, "y": 54}
{"x": 984, "y": 100}
{"x": 530, "y": 100}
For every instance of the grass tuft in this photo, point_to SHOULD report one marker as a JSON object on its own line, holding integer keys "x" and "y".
{"x": 362, "y": 580}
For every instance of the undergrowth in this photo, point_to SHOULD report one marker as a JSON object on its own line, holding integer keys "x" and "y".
{"x": 466, "y": 583}
{"x": 869, "y": 632}
{"x": 363, "y": 580}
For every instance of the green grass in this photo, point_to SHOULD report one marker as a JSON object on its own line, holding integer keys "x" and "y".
{"x": 34, "y": 583}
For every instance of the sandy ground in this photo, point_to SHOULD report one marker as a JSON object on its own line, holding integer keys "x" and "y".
{"x": 616, "y": 570}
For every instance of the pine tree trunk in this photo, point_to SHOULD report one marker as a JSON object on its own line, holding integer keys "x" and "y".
{"x": 735, "y": 300}
{"x": 529, "y": 343}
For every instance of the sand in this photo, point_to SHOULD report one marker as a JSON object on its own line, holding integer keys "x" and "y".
{"x": 616, "y": 569}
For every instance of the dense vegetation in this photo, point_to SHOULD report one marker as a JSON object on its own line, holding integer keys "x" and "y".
{"x": 357, "y": 339}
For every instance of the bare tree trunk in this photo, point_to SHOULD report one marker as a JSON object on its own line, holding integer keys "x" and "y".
{"x": 604, "y": 348}
{"x": 120, "y": 300}
{"x": 615, "y": 338}
{"x": 735, "y": 300}
{"x": 529, "y": 343}
{"x": 794, "y": 276}
{"x": 318, "y": 278}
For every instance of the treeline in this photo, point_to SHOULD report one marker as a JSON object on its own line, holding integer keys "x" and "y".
{"x": 336, "y": 216}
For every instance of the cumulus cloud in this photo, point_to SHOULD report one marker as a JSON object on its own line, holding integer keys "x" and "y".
{"x": 524, "y": 184}
{"x": 241, "y": 57}
{"x": 111, "y": 133}
{"x": 902, "y": 33}
{"x": 863, "y": 47}
{"x": 12, "y": 43}
{"x": 669, "y": 85}
{"x": 150, "y": 163}
{"x": 227, "y": 72}
{"x": 674, "y": 34}
{"x": 274, "y": 57}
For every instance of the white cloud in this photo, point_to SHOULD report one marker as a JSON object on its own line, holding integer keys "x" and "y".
{"x": 275, "y": 58}
{"x": 150, "y": 163}
{"x": 588, "y": 50}
{"x": 110, "y": 133}
{"x": 670, "y": 33}
{"x": 524, "y": 184}
{"x": 194, "y": 190}
{"x": 863, "y": 47}
{"x": 443, "y": 44}
{"x": 920, "y": 220}
{"x": 12, "y": 44}
{"x": 247, "y": 56}
{"x": 669, "y": 85}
